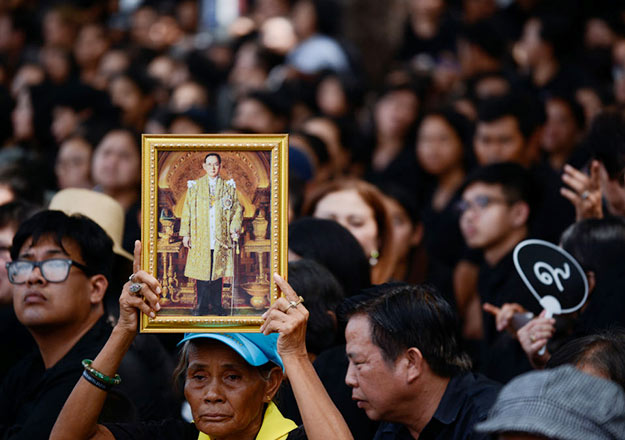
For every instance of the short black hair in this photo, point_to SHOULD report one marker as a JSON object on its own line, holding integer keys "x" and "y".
{"x": 406, "y": 199}
{"x": 606, "y": 141}
{"x": 16, "y": 212}
{"x": 528, "y": 112}
{"x": 603, "y": 351}
{"x": 330, "y": 244}
{"x": 596, "y": 243}
{"x": 323, "y": 294}
{"x": 515, "y": 180}
{"x": 487, "y": 36}
{"x": 558, "y": 31}
{"x": 96, "y": 247}
{"x": 212, "y": 154}
{"x": 404, "y": 316}
{"x": 575, "y": 107}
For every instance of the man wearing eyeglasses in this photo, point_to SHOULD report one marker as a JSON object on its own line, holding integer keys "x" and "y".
{"x": 494, "y": 217}
{"x": 59, "y": 272}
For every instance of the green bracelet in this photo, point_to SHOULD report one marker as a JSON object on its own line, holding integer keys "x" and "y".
{"x": 100, "y": 376}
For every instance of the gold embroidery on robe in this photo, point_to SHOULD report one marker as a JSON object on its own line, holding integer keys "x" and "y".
{"x": 195, "y": 224}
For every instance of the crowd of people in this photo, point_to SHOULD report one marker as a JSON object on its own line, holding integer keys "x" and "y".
{"x": 427, "y": 138}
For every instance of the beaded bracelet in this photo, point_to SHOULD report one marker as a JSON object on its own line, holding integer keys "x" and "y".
{"x": 96, "y": 382}
{"x": 110, "y": 381}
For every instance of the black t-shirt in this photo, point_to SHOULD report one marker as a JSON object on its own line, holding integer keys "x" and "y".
{"x": 502, "y": 356}
{"x": 31, "y": 397}
{"x": 466, "y": 401}
{"x": 17, "y": 342}
{"x": 170, "y": 429}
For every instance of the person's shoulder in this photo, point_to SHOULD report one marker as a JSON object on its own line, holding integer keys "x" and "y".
{"x": 22, "y": 372}
{"x": 479, "y": 392}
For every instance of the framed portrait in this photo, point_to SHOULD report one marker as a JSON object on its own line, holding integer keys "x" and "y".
{"x": 214, "y": 228}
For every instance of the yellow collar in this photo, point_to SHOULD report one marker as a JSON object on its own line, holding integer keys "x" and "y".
{"x": 275, "y": 426}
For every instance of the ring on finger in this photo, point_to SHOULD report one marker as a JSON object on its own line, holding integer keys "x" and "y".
{"x": 585, "y": 195}
{"x": 532, "y": 338}
{"x": 131, "y": 278}
{"x": 294, "y": 304}
{"x": 135, "y": 289}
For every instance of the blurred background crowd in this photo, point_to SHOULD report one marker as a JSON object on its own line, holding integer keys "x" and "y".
{"x": 389, "y": 106}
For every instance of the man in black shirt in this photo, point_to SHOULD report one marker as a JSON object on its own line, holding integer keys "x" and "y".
{"x": 406, "y": 368}
{"x": 59, "y": 272}
{"x": 495, "y": 213}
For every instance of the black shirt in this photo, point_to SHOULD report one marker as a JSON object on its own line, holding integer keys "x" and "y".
{"x": 17, "y": 342}
{"x": 170, "y": 429}
{"x": 466, "y": 401}
{"x": 31, "y": 397}
{"x": 502, "y": 356}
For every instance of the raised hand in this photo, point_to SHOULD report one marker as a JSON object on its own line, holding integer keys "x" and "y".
{"x": 504, "y": 315}
{"x": 584, "y": 192}
{"x": 144, "y": 299}
{"x": 287, "y": 316}
{"x": 533, "y": 336}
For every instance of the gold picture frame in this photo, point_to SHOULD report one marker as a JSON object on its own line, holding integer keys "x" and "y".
{"x": 235, "y": 186}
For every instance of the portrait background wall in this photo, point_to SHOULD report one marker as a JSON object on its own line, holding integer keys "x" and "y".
{"x": 256, "y": 167}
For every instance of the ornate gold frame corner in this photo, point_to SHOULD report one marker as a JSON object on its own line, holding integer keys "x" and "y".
{"x": 154, "y": 146}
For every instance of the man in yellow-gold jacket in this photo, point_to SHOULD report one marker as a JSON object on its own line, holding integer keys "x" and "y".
{"x": 209, "y": 226}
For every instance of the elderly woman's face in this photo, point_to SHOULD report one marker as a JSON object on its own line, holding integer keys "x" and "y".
{"x": 226, "y": 394}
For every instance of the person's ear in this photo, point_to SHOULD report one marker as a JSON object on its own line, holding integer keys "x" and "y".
{"x": 414, "y": 364}
{"x": 97, "y": 288}
{"x": 273, "y": 383}
{"x": 417, "y": 235}
{"x": 335, "y": 321}
{"x": 592, "y": 281}
{"x": 532, "y": 147}
{"x": 520, "y": 212}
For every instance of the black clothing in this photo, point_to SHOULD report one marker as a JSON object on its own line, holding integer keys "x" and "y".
{"x": 209, "y": 297}
{"x": 550, "y": 214}
{"x": 17, "y": 342}
{"x": 444, "y": 244}
{"x": 466, "y": 401}
{"x": 502, "y": 356}
{"x": 443, "y": 41}
{"x": 132, "y": 229}
{"x": 170, "y": 429}
{"x": 31, "y": 396}
{"x": 403, "y": 170}
{"x": 331, "y": 367}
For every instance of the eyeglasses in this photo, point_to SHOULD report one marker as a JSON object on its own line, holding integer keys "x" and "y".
{"x": 479, "y": 203}
{"x": 55, "y": 270}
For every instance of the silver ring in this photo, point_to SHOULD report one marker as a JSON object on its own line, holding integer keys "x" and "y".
{"x": 135, "y": 288}
{"x": 584, "y": 195}
{"x": 294, "y": 304}
{"x": 131, "y": 278}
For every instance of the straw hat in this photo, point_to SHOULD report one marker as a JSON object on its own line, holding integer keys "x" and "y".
{"x": 99, "y": 207}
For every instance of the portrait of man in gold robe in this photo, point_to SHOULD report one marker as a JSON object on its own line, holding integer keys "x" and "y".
{"x": 210, "y": 226}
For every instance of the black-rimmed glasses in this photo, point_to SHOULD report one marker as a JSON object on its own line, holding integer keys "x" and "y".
{"x": 55, "y": 270}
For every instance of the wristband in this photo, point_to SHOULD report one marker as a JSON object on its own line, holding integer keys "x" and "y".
{"x": 101, "y": 377}
{"x": 96, "y": 382}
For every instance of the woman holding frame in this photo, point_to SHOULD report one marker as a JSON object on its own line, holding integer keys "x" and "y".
{"x": 230, "y": 379}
